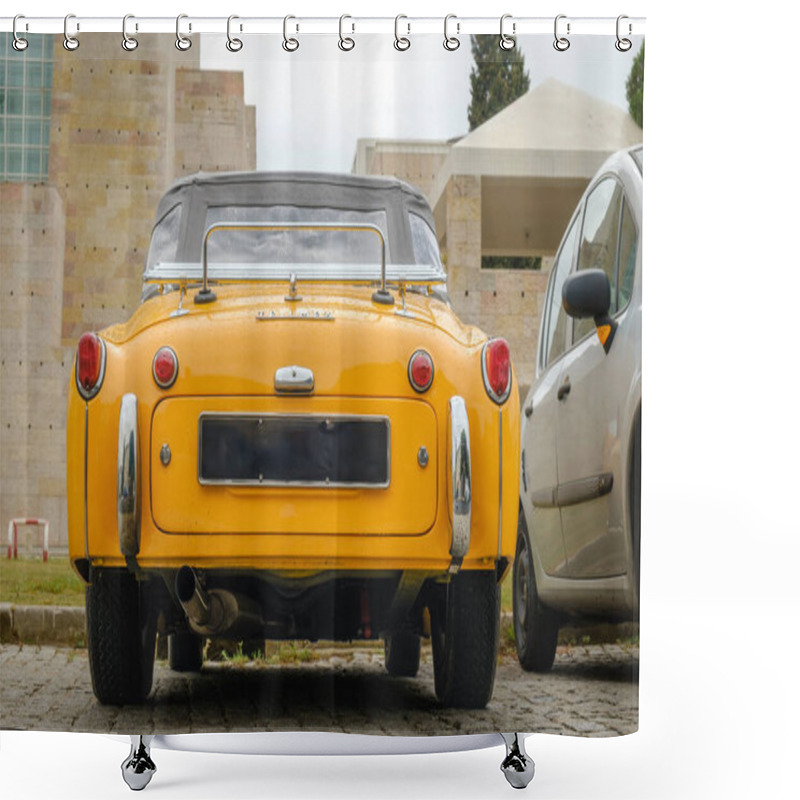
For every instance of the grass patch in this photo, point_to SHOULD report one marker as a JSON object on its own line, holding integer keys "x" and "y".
{"x": 506, "y": 596}
{"x": 28, "y": 582}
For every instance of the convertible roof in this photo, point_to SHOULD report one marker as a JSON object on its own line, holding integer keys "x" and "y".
{"x": 307, "y": 186}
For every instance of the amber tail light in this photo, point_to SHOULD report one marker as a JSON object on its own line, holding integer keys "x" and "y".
{"x": 496, "y": 365}
{"x": 90, "y": 365}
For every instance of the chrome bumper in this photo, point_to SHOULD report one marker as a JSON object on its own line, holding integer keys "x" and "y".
{"x": 459, "y": 470}
{"x": 128, "y": 476}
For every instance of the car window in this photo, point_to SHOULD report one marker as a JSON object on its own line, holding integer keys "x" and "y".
{"x": 627, "y": 257}
{"x": 556, "y": 324}
{"x": 599, "y": 241}
{"x": 426, "y": 247}
{"x": 300, "y": 246}
{"x": 164, "y": 240}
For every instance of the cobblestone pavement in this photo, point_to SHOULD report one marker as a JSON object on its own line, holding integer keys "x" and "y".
{"x": 592, "y": 691}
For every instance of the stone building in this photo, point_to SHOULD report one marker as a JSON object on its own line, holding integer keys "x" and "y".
{"x": 508, "y": 188}
{"x": 92, "y": 139}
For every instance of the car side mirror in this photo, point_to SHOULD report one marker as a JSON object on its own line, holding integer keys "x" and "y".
{"x": 588, "y": 294}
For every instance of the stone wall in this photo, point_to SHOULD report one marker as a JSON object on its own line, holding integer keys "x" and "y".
{"x": 123, "y": 127}
{"x": 501, "y": 302}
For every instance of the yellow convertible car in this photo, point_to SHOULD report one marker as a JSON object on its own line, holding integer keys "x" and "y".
{"x": 293, "y": 437}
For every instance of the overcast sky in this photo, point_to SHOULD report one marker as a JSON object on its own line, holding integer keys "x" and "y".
{"x": 312, "y": 105}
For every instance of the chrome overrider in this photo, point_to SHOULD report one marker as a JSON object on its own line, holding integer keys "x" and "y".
{"x": 128, "y": 476}
{"x": 205, "y": 295}
{"x": 460, "y": 472}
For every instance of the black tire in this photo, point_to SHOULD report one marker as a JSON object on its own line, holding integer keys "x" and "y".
{"x": 185, "y": 651}
{"x": 535, "y": 627}
{"x": 122, "y": 638}
{"x": 465, "y": 628}
{"x": 402, "y": 650}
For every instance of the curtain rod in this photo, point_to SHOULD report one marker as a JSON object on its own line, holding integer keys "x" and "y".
{"x": 406, "y": 25}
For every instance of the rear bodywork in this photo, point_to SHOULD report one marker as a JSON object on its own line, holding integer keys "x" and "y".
{"x": 309, "y": 548}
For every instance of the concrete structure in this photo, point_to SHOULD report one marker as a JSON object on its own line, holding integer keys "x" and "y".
{"x": 508, "y": 188}
{"x": 123, "y": 126}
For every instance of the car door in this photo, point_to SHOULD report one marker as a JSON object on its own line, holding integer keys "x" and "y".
{"x": 539, "y": 472}
{"x": 592, "y": 387}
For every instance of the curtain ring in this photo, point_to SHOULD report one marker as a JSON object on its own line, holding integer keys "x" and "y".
{"x": 623, "y": 45}
{"x": 401, "y": 43}
{"x": 507, "y": 42}
{"x": 346, "y": 43}
{"x": 19, "y": 44}
{"x": 561, "y": 43}
{"x": 182, "y": 42}
{"x": 451, "y": 42}
{"x": 289, "y": 44}
{"x": 129, "y": 43}
{"x": 70, "y": 42}
{"x": 233, "y": 45}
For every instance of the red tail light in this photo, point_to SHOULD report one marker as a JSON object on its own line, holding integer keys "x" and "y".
{"x": 420, "y": 371}
{"x": 497, "y": 369}
{"x": 165, "y": 367}
{"x": 90, "y": 365}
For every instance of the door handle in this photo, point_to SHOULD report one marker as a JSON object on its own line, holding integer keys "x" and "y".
{"x": 564, "y": 389}
{"x": 529, "y": 409}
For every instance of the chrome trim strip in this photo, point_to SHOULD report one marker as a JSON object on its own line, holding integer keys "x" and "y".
{"x": 96, "y": 388}
{"x": 460, "y": 474}
{"x": 500, "y": 487}
{"x": 128, "y": 476}
{"x": 574, "y": 492}
{"x": 294, "y": 380}
{"x": 410, "y": 274}
{"x": 86, "y": 481}
{"x": 295, "y": 484}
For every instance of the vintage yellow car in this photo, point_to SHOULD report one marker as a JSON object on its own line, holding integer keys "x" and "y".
{"x": 293, "y": 437}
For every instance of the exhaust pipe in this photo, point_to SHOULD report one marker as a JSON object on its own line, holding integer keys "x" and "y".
{"x": 215, "y": 611}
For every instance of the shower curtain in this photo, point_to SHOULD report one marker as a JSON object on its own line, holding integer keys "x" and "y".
{"x": 466, "y": 164}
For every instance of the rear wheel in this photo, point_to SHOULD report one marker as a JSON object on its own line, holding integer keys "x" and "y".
{"x": 185, "y": 651}
{"x": 402, "y": 650}
{"x": 535, "y": 627}
{"x": 122, "y": 638}
{"x": 465, "y": 626}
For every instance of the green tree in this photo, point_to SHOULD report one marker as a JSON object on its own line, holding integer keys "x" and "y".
{"x": 634, "y": 88}
{"x": 498, "y": 78}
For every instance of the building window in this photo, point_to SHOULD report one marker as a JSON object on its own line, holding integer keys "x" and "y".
{"x": 511, "y": 262}
{"x": 26, "y": 81}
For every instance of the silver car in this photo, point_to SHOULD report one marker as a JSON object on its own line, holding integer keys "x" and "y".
{"x": 580, "y": 483}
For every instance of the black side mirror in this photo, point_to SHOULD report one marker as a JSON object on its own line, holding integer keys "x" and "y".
{"x": 588, "y": 294}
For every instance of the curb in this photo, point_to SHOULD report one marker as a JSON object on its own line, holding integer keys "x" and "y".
{"x": 54, "y": 625}
{"x": 42, "y": 624}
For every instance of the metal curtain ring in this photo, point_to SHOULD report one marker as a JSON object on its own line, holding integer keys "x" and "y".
{"x": 561, "y": 43}
{"x": 451, "y": 42}
{"x": 234, "y": 45}
{"x": 70, "y": 42}
{"x": 182, "y": 42}
{"x": 623, "y": 45}
{"x": 290, "y": 44}
{"x": 507, "y": 42}
{"x": 346, "y": 43}
{"x": 129, "y": 43}
{"x": 19, "y": 44}
{"x": 401, "y": 43}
